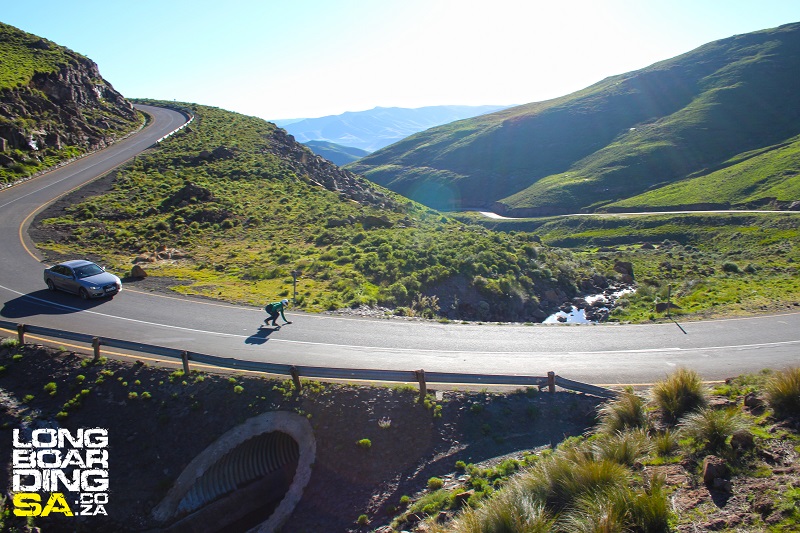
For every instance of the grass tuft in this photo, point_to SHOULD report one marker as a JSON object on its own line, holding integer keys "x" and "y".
{"x": 783, "y": 393}
{"x": 710, "y": 428}
{"x": 625, "y": 448}
{"x": 681, "y": 393}
{"x": 626, "y": 412}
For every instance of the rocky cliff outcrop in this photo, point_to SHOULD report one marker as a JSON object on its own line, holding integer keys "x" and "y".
{"x": 63, "y": 109}
{"x": 305, "y": 164}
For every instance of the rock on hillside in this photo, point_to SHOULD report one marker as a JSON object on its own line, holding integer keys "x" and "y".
{"x": 66, "y": 105}
{"x": 320, "y": 171}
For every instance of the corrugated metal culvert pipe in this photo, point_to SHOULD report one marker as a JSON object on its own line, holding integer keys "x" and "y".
{"x": 251, "y": 477}
{"x": 254, "y": 459}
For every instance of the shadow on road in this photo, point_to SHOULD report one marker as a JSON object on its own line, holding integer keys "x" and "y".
{"x": 679, "y": 326}
{"x": 261, "y": 336}
{"x": 45, "y": 302}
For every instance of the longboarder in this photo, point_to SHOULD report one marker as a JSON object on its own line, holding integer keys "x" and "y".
{"x": 275, "y": 309}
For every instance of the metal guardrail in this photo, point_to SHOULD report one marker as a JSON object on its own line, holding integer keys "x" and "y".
{"x": 168, "y": 135}
{"x": 585, "y": 388}
{"x": 400, "y": 376}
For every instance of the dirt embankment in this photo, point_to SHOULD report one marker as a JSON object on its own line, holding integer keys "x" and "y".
{"x": 158, "y": 420}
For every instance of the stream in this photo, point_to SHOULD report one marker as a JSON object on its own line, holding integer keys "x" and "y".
{"x": 599, "y": 305}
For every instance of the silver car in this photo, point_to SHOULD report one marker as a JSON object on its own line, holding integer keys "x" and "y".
{"x": 83, "y": 278}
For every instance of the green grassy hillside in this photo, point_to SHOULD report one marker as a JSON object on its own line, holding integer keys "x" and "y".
{"x": 22, "y": 55}
{"x": 616, "y": 139}
{"x": 712, "y": 265}
{"x": 54, "y": 106}
{"x": 750, "y": 179}
{"x": 244, "y": 206}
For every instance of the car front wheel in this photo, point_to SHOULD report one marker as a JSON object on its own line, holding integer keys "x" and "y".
{"x": 83, "y": 294}
{"x": 50, "y": 285}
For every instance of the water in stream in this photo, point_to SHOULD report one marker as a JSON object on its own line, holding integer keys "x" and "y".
{"x": 578, "y": 313}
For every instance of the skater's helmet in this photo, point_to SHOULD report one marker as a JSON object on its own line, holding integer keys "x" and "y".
{"x": 285, "y": 301}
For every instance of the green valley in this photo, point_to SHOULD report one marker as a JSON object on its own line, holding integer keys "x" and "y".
{"x": 336, "y": 153}
{"x": 237, "y": 205}
{"x": 707, "y": 264}
{"x": 667, "y": 134}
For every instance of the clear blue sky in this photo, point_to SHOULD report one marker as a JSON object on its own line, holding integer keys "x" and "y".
{"x": 310, "y": 58}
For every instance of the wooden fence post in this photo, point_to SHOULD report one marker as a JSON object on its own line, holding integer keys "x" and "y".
{"x": 296, "y": 378}
{"x": 96, "y": 348}
{"x": 21, "y": 333}
{"x": 185, "y": 359}
{"x": 423, "y": 387}
{"x": 551, "y": 381}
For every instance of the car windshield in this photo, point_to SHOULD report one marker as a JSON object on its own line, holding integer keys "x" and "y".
{"x": 87, "y": 270}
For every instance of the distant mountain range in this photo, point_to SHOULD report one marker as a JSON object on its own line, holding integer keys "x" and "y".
{"x": 336, "y": 153}
{"x": 717, "y": 126}
{"x": 379, "y": 127}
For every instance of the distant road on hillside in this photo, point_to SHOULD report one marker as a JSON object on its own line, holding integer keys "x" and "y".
{"x": 607, "y": 354}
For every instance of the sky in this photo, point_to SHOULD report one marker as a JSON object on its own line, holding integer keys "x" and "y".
{"x": 283, "y": 59}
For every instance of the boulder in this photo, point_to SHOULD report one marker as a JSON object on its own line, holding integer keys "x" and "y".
{"x": 462, "y": 498}
{"x": 714, "y": 468}
{"x": 625, "y": 268}
{"x": 743, "y": 440}
{"x": 753, "y": 400}
{"x": 723, "y": 485}
{"x": 337, "y": 223}
{"x": 600, "y": 303}
{"x": 190, "y": 193}
{"x": 554, "y": 296}
{"x": 138, "y": 272}
{"x": 372, "y": 221}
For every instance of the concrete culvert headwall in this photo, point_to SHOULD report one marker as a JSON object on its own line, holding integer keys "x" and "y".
{"x": 251, "y": 477}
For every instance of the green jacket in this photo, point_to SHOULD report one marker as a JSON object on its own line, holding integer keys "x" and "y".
{"x": 276, "y": 307}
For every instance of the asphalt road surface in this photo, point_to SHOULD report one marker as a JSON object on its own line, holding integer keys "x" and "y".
{"x": 601, "y": 354}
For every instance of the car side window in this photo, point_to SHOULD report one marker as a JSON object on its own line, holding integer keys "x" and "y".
{"x": 63, "y": 270}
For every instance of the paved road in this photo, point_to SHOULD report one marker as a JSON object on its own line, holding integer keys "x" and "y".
{"x": 609, "y": 354}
